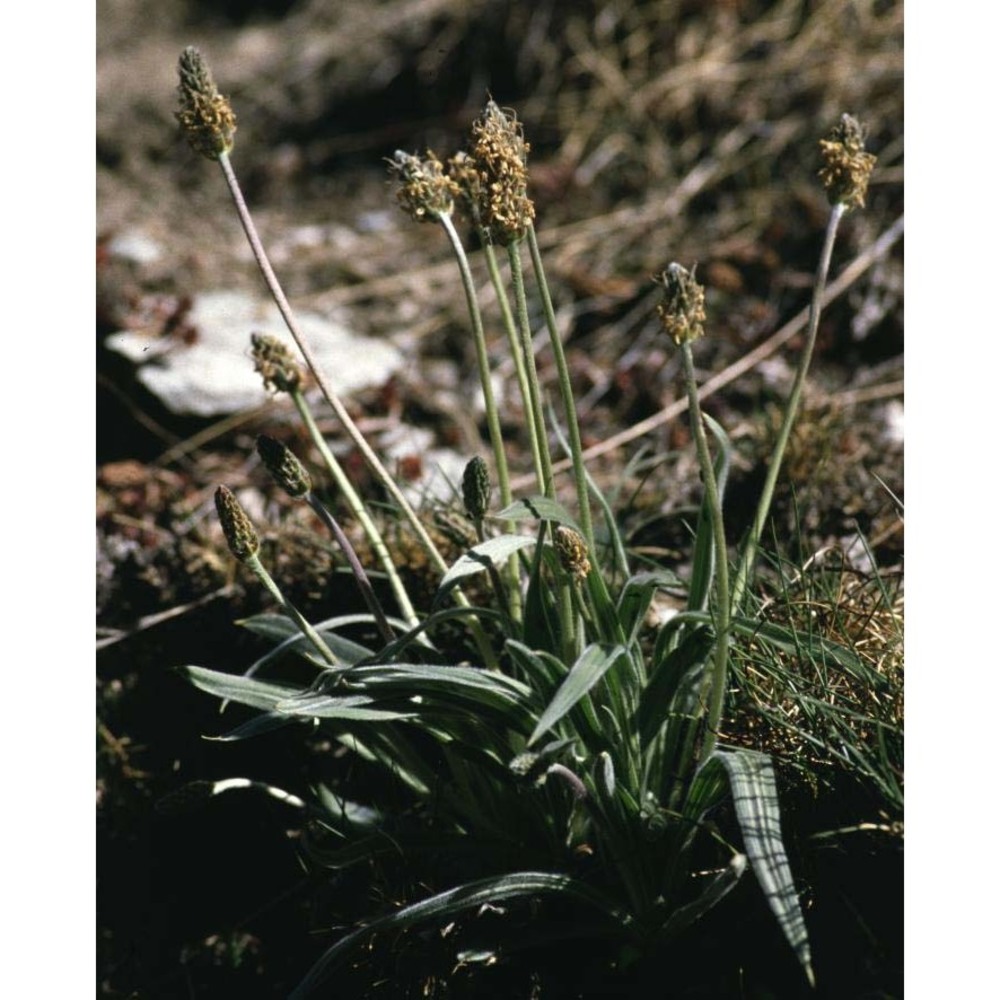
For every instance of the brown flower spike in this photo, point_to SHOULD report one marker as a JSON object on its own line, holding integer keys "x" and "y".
{"x": 274, "y": 362}
{"x": 206, "y": 116}
{"x": 846, "y": 165}
{"x": 500, "y": 156}
{"x": 572, "y": 551}
{"x": 682, "y": 310}
{"x": 425, "y": 191}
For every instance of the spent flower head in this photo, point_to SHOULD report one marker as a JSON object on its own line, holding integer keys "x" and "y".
{"x": 682, "y": 309}
{"x": 572, "y": 552}
{"x": 275, "y": 363}
{"x": 425, "y": 190}
{"x": 286, "y": 470}
{"x": 205, "y": 115}
{"x": 468, "y": 184}
{"x": 846, "y": 166}
{"x": 241, "y": 536}
{"x": 500, "y": 156}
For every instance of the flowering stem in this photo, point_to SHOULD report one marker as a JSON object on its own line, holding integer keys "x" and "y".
{"x": 716, "y": 680}
{"x": 364, "y": 584}
{"x": 254, "y": 564}
{"x": 528, "y": 353}
{"x": 482, "y": 358}
{"x": 492, "y": 415}
{"x": 359, "y": 510}
{"x": 749, "y": 553}
{"x": 516, "y": 353}
{"x": 566, "y": 390}
{"x": 353, "y": 431}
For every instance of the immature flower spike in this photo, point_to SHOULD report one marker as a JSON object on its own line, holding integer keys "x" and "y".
{"x": 682, "y": 310}
{"x": 846, "y": 165}
{"x": 241, "y": 537}
{"x": 425, "y": 190}
{"x": 572, "y": 551}
{"x": 275, "y": 363}
{"x": 206, "y": 116}
{"x": 286, "y": 470}
{"x": 476, "y": 488}
{"x": 500, "y": 155}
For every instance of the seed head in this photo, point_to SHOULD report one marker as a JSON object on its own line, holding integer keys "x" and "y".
{"x": 275, "y": 363}
{"x": 572, "y": 551}
{"x": 286, "y": 470}
{"x": 476, "y": 488}
{"x": 241, "y": 537}
{"x": 425, "y": 190}
{"x": 846, "y": 166}
{"x": 469, "y": 186}
{"x": 500, "y": 156}
{"x": 682, "y": 310}
{"x": 205, "y": 115}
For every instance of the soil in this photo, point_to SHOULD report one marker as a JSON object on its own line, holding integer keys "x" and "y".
{"x": 659, "y": 131}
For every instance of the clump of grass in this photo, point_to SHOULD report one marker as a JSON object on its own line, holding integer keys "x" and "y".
{"x": 571, "y": 757}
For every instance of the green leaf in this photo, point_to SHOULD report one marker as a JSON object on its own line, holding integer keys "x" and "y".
{"x": 245, "y": 690}
{"x": 327, "y": 706}
{"x": 543, "y": 670}
{"x": 279, "y": 629}
{"x": 679, "y": 670}
{"x": 538, "y": 508}
{"x": 717, "y": 887}
{"x": 541, "y": 620}
{"x": 254, "y": 727}
{"x": 755, "y": 798}
{"x": 703, "y": 558}
{"x": 446, "y": 904}
{"x": 494, "y": 551}
{"x": 636, "y": 595}
{"x": 468, "y": 690}
{"x": 589, "y": 668}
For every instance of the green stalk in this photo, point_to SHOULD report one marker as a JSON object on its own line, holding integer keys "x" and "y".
{"x": 254, "y": 564}
{"x": 353, "y": 431}
{"x": 359, "y": 510}
{"x": 515, "y": 349}
{"x": 528, "y": 353}
{"x": 482, "y": 358}
{"x": 750, "y": 547}
{"x": 717, "y": 678}
{"x": 566, "y": 391}
{"x": 492, "y": 415}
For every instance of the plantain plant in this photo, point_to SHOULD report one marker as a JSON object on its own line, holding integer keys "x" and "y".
{"x": 568, "y": 756}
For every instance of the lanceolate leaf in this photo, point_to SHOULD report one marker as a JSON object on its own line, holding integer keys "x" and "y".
{"x": 636, "y": 596}
{"x": 658, "y": 698}
{"x": 538, "y": 509}
{"x": 755, "y": 798}
{"x": 326, "y": 706}
{"x": 479, "y": 557}
{"x": 278, "y": 628}
{"x": 446, "y": 904}
{"x": 245, "y": 690}
{"x": 589, "y": 668}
